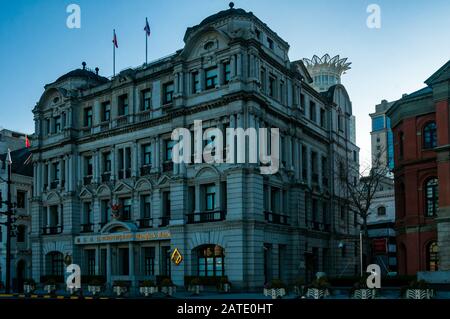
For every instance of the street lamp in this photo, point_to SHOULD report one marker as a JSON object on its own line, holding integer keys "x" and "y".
{"x": 8, "y": 223}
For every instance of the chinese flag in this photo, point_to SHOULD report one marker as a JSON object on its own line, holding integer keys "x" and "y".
{"x": 116, "y": 44}
{"x": 27, "y": 142}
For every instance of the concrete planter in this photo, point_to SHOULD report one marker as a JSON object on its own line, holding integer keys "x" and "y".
{"x": 365, "y": 293}
{"x": 419, "y": 293}
{"x": 50, "y": 288}
{"x": 195, "y": 289}
{"x": 275, "y": 292}
{"x": 299, "y": 290}
{"x": 28, "y": 289}
{"x": 120, "y": 290}
{"x": 94, "y": 290}
{"x": 169, "y": 290}
{"x": 148, "y": 291}
{"x": 317, "y": 293}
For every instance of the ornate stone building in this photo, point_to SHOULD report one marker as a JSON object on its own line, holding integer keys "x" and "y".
{"x": 105, "y": 144}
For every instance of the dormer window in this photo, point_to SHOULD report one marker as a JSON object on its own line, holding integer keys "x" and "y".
{"x": 55, "y": 100}
{"x": 208, "y": 45}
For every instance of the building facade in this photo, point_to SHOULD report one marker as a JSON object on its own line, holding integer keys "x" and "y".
{"x": 109, "y": 195}
{"x": 21, "y": 191}
{"x": 381, "y": 219}
{"x": 420, "y": 123}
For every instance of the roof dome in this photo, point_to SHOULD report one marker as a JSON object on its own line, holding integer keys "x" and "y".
{"x": 82, "y": 73}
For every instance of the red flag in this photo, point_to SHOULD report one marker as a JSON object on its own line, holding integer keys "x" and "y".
{"x": 27, "y": 142}
{"x": 115, "y": 40}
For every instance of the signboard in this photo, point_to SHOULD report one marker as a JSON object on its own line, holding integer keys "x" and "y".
{"x": 379, "y": 245}
{"x": 176, "y": 257}
{"x": 122, "y": 237}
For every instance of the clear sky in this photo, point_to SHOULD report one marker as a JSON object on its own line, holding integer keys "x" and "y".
{"x": 36, "y": 46}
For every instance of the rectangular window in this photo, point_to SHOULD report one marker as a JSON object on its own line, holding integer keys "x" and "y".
{"x": 304, "y": 163}
{"x": 90, "y": 262}
{"x": 124, "y": 261}
{"x": 126, "y": 208}
{"x": 107, "y": 162}
{"x": 147, "y": 154}
{"x": 211, "y": 78}
{"x": 166, "y": 204}
{"x": 272, "y": 85}
{"x": 88, "y": 166}
{"x": 149, "y": 261}
{"x": 88, "y": 117}
{"x": 226, "y": 72}
{"x": 302, "y": 100}
{"x": 210, "y": 197}
{"x": 106, "y": 111}
{"x": 312, "y": 111}
{"x": 106, "y": 211}
{"x": 168, "y": 149}
{"x": 270, "y": 43}
{"x": 48, "y": 126}
{"x": 378, "y": 123}
{"x": 263, "y": 80}
{"x": 57, "y": 124}
{"x": 21, "y": 198}
{"x": 123, "y": 105}
{"x": 282, "y": 92}
{"x": 56, "y": 172}
{"x": 195, "y": 82}
{"x": 146, "y": 99}
{"x": 145, "y": 206}
{"x": 322, "y": 118}
{"x": 168, "y": 89}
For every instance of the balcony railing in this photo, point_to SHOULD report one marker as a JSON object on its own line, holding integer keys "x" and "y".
{"x": 319, "y": 226}
{"x": 145, "y": 115}
{"x": 123, "y": 120}
{"x": 168, "y": 166}
{"x": 164, "y": 221}
{"x": 87, "y": 180}
{"x": 52, "y": 230}
{"x": 87, "y": 228}
{"x": 275, "y": 218}
{"x": 145, "y": 222}
{"x": 145, "y": 170}
{"x": 205, "y": 217}
{"x": 106, "y": 177}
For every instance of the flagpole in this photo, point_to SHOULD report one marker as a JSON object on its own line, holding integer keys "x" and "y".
{"x": 114, "y": 53}
{"x": 146, "y": 42}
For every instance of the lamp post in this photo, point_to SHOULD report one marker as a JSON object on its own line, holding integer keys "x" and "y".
{"x": 8, "y": 224}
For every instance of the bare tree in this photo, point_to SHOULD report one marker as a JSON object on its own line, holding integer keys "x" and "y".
{"x": 361, "y": 185}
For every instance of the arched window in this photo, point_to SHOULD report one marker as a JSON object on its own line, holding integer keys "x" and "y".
{"x": 210, "y": 261}
{"x": 433, "y": 256}
{"x": 431, "y": 197}
{"x": 381, "y": 211}
{"x": 429, "y": 135}
{"x": 55, "y": 263}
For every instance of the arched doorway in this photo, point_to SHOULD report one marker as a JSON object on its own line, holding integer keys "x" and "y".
{"x": 20, "y": 275}
{"x": 209, "y": 261}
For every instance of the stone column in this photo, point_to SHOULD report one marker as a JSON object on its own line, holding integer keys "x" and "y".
{"x": 108, "y": 263}
{"x": 197, "y": 198}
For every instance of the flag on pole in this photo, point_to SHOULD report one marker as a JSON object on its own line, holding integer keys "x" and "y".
{"x": 27, "y": 142}
{"x": 8, "y": 157}
{"x": 116, "y": 44}
{"x": 147, "y": 28}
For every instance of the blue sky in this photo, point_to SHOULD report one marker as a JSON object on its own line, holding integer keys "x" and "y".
{"x": 36, "y": 46}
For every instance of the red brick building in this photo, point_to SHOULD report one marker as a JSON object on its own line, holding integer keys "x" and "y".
{"x": 420, "y": 124}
